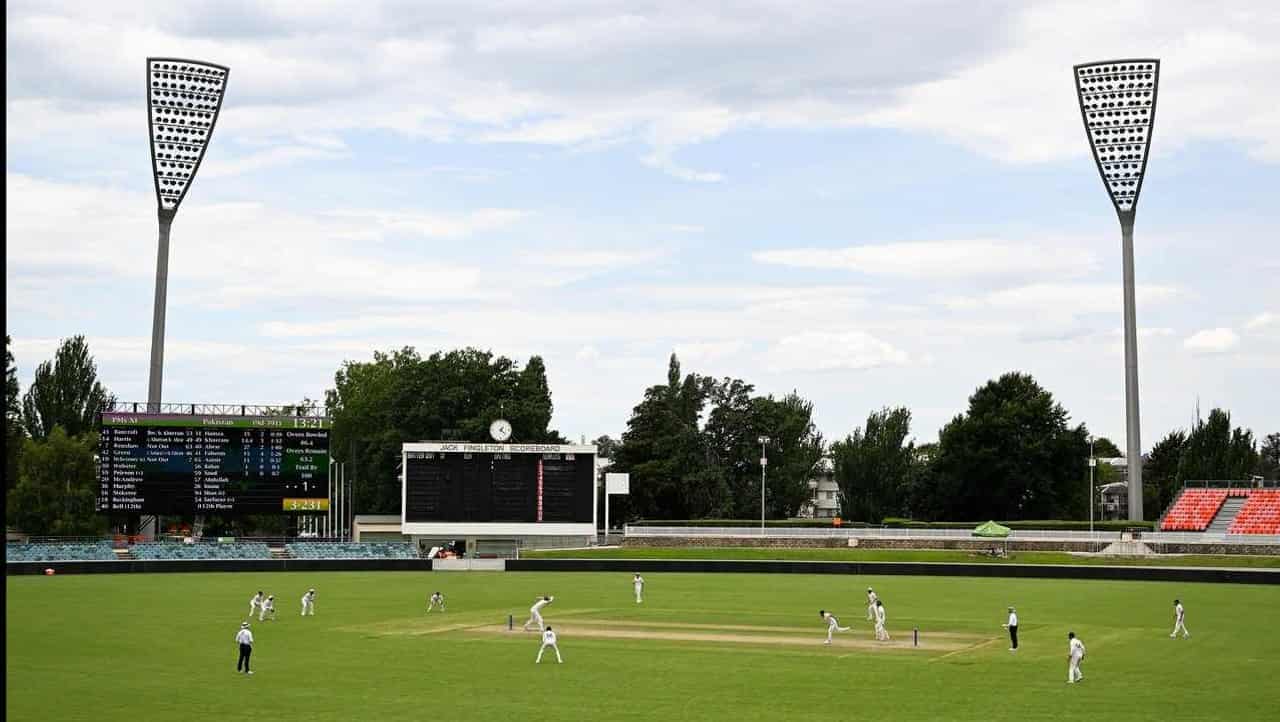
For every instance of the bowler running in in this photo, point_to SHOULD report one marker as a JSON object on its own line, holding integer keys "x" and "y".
{"x": 833, "y": 625}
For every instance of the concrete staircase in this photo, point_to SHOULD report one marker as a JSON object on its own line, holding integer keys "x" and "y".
{"x": 280, "y": 553}
{"x": 1227, "y": 514}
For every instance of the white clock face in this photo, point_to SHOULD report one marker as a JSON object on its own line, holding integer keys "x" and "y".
{"x": 500, "y": 430}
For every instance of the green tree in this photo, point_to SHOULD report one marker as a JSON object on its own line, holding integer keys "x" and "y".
{"x": 873, "y": 466}
{"x": 663, "y": 450}
{"x": 1269, "y": 457}
{"x": 1105, "y": 448}
{"x": 606, "y": 446}
{"x": 400, "y": 396}
{"x": 1160, "y": 473}
{"x": 13, "y": 431}
{"x": 1216, "y": 451}
{"x": 57, "y": 487}
{"x": 66, "y": 393}
{"x": 795, "y": 446}
{"x": 1011, "y": 456}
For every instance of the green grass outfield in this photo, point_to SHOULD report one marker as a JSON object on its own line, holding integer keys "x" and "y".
{"x": 703, "y": 646}
{"x": 904, "y": 555}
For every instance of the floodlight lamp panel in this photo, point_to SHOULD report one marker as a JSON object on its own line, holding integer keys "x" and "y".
{"x": 184, "y": 98}
{"x": 1118, "y": 107}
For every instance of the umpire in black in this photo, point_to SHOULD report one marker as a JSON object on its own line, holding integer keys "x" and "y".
{"x": 244, "y": 638}
{"x": 1012, "y": 626}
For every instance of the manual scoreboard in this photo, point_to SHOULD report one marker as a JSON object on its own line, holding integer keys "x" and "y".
{"x": 213, "y": 464}
{"x": 460, "y": 488}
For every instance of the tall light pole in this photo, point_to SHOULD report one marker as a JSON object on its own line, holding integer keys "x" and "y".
{"x": 184, "y": 98}
{"x": 1092, "y": 463}
{"x": 1118, "y": 107}
{"x": 764, "y": 464}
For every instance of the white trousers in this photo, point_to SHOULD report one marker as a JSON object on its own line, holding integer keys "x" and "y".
{"x": 1180, "y": 625}
{"x": 543, "y": 648}
{"x": 265, "y": 611}
{"x": 871, "y": 612}
{"x": 308, "y": 608}
{"x": 881, "y": 634}
{"x": 639, "y": 594}
{"x": 432, "y": 605}
{"x": 1073, "y": 669}
{"x": 535, "y": 618}
{"x": 253, "y": 609}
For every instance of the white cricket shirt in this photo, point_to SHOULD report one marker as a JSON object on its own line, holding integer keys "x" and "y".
{"x": 1076, "y": 648}
{"x": 244, "y": 636}
{"x": 548, "y": 637}
{"x": 1178, "y": 610}
{"x": 1013, "y": 619}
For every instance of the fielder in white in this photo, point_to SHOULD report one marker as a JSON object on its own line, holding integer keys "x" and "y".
{"x": 309, "y": 603}
{"x": 268, "y": 607}
{"x": 871, "y": 604}
{"x": 437, "y": 599}
{"x": 833, "y": 625}
{"x": 535, "y": 612}
{"x": 548, "y": 640}
{"x": 1075, "y": 654}
{"x": 255, "y": 604}
{"x": 881, "y": 634}
{"x": 1179, "y": 621}
{"x": 638, "y": 583}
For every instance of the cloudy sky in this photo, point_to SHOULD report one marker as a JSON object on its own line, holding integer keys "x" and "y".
{"x": 871, "y": 203}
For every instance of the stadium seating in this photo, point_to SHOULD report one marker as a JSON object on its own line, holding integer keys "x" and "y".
{"x": 59, "y": 552}
{"x": 1193, "y": 510}
{"x": 168, "y": 550}
{"x": 1260, "y": 513}
{"x": 352, "y": 550}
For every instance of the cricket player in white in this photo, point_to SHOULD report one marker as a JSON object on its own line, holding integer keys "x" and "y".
{"x": 1075, "y": 653}
{"x": 871, "y": 604}
{"x": 881, "y": 634}
{"x": 268, "y": 607}
{"x": 638, "y": 582}
{"x": 436, "y": 599}
{"x": 255, "y": 604}
{"x": 535, "y": 612}
{"x": 1179, "y": 621}
{"x": 548, "y": 640}
{"x": 833, "y": 625}
{"x": 309, "y": 603}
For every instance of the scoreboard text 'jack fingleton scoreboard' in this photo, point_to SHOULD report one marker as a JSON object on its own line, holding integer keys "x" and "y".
{"x": 213, "y": 464}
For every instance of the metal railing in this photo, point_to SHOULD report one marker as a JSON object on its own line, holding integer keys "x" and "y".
{"x": 1258, "y": 483}
{"x": 743, "y": 532}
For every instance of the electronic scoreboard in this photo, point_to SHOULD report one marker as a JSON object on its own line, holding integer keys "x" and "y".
{"x": 213, "y": 464}
{"x": 462, "y": 488}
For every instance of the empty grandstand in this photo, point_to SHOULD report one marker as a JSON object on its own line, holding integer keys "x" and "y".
{"x": 234, "y": 550}
{"x": 56, "y": 551}
{"x": 352, "y": 550}
{"x": 1226, "y": 509}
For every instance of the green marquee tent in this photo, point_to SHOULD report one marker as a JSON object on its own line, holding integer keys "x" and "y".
{"x": 991, "y": 529}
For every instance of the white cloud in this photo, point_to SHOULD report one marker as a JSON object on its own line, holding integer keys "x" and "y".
{"x": 825, "y": 351}
{"x": 1212, "y": 340}
{"x": 1064, "y": 298}
{"x": 1262, "y": 320}
{"x": 939, "y": 259}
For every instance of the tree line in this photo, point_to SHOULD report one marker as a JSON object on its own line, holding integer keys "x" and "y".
{"x": 692, "y": 445}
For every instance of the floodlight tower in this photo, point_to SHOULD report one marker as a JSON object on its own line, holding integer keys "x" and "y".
{"x": 184, "y": 98}
{"x": 1118, "y": 107}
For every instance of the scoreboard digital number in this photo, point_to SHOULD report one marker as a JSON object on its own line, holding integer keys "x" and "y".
{"x": 509, "y": 484}
{"x": 207, "y": 464}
